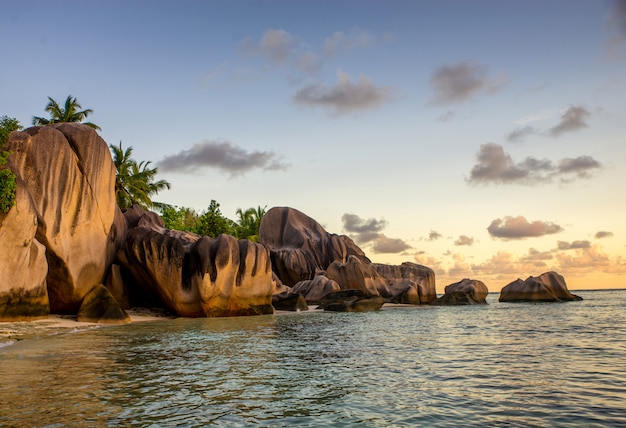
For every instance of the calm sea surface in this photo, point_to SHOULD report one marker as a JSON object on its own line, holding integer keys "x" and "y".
{"x": 505, "y": 364}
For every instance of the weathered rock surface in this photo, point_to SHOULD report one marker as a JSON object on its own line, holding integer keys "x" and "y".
{"x": 100, "y": 306}
{"x": 287, "y": 301}
{"x": 23, "y": 266}
{"x": 547, "y": 287}
{"x": 351, "y": 301}
{"x": 465, "y": 292}
{"x": 409, "y": 283}
{"x": 200, "y": 276}
{"x": 315, "y": 289}
{"x": 67, "y": 172}
{"x": 300, "y": 247}
{"x": 357, "y": 274}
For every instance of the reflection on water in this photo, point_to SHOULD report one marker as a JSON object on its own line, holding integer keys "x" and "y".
{"x": 499, "y": 365}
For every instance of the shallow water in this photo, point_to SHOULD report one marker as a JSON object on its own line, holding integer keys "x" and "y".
{"x": 503, "y": 364}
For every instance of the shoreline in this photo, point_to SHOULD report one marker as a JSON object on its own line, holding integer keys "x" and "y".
{"x": 12, "y": 332}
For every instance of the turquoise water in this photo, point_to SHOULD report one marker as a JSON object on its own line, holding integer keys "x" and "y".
{"x": 505, "y": 364}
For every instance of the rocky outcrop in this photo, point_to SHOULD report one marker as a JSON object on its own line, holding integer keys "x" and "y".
{"x": 356, "y": 274}
{"x": 23, "y": 266}
{"x": 100, "y": 306}
{"x": 351, "y": 301}
{"x": 287, "y": 301}
{"x": 199, "y": 276}
{"x": 465, "y": 292}
{"x": 315, "y": 289}
{"x": 547, "y": 287}
{"x": 409, "y": 283}
{"x": 67, "y": 172}
{"x": 300, "y": 247}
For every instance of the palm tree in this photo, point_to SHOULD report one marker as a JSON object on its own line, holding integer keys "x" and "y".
{"x": 134, "y": 182}
{"x": 70, "y": 112}
{"x": 249, "y": 222}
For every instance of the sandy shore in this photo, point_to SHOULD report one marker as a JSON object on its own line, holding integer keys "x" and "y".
{"x": 11, "y": 332}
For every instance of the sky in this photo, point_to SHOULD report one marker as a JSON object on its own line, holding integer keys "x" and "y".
{"x": 484, "y": 138}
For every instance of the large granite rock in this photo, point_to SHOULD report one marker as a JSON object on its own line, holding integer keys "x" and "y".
{"x": 409, "y": 283}
{"x": 300, "y": 247}
{"x": 313, "y": 290}
{"x": 547, "y": 287}
{"x": 67, "y": 172}
{"x": 465, "y": 292}
{"x": 357, "y": 274}
{"x": 23, "y": 266}
{"x": 99, "y": 306}
{"x": 199, "y": 276}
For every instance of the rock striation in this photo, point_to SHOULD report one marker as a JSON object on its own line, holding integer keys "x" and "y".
{"x": 465, "y": 292}
{"x": 410, "y": 283}
{"x": 547, "y": 287}
{"x": 65, "y": 179}
{"x": 198, "y": 276}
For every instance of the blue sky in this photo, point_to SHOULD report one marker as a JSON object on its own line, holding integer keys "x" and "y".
{"x": 481, "y": 138}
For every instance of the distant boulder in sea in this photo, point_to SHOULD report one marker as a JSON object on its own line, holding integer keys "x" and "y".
{"x": 465, "y": 292}
{"x": 547, "y": 287}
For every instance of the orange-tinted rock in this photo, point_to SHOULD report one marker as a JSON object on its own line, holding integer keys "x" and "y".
{"x": 201, "y": 276}
{"x": 409, "y": 282}
{"x": 23, "y": 266}
{"x": 465, "y": 292}
{"x": 69, "y": 175}
{"x": 547, "y": 287}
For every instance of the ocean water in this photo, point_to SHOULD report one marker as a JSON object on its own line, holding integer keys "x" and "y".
{"x": 504, "y": 364}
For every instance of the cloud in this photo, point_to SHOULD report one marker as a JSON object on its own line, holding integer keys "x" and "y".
{"x": 603, "y": 234}
{"x": 355, "y": 224}
{"x": 434, "y": 235}
{"x": 369, "y": 232}
{"x": 519, "y": 228}
{"x": 617, "y": 21}
{"x": 572, "y": 120}
{"x": 562, "y": 245}
{"x": 460, "y": 82}
{"x": 464, "y": 240}
{"x": 222, "y": 155}
{"x": 276, "y": 45}
{"x": 356, "y": 38}
{"x": 519, "y": 134}
{"x": 384, "y": 244}
{"x": 497, "y": 167}
{"x": 345, "y": 96}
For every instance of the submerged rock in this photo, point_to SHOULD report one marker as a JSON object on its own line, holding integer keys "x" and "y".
{"x": 547, "y": 287}
{"x": 351, "y": 301}
{"x": 465, "y": 292}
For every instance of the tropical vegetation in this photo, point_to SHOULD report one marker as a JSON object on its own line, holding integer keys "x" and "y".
{"x": 211, "y": 222}
{"x": 135, "y": 182}
{"x": 8, "y": 184}
{"x": 69, "y": 112}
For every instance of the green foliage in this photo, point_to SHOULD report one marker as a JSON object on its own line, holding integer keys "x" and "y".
{"x": 135, "y": 182}
{"x": 8, "y": 185}
{"x": 212, "y": 222}
{"x": 249, "y": 222}
{"x": 70, "y": 112}
{"x": 182, "y": 218}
